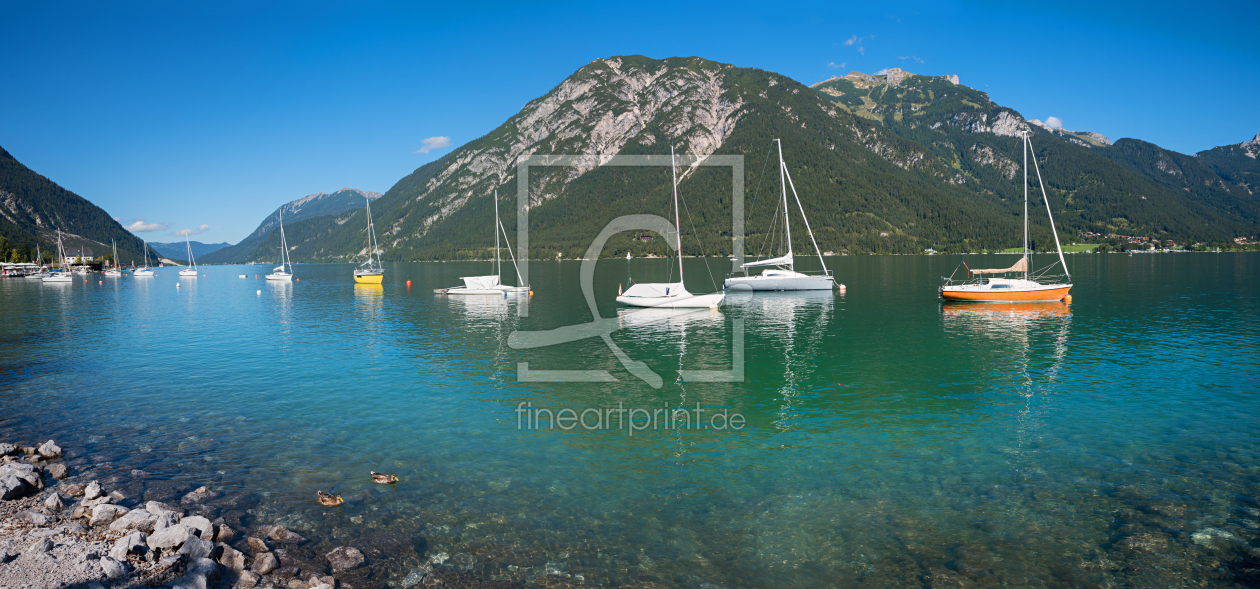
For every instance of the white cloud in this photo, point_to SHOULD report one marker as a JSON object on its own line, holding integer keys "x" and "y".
{"x": 862, "y": 51}
{"x": 835, "y": 66}
{"x": 433, "y": 143}
{"x": 197, "y": 231}
{"x": 852, "y": 40}
{"x": 882, "y": 72}
{"x": 1054, "y": 123}
{"x": 119, "y": 219}
{"x": 139, "y": 226}
{"x": 905, "y": 57}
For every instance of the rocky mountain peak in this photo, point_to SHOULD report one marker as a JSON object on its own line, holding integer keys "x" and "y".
{"x": 1251, "y": 148}
{"x": 895, "y": 75}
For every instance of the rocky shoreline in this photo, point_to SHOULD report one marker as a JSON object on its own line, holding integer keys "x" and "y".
{"x": 62, "y": 530}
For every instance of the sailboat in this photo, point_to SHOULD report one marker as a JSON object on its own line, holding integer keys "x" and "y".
{"x": 490, "y": 285}
{"x": 40, "y": 270}
{"x": 189, "y": 271}
{"x": 1020, "y": 283}
{"x": 113, "y": 272}
{"x": 144, "y": 271}
{"x": 669, "y": 295}
{"x": 370, "y": 272}
{"x": 62, "y": 274}
{"x": 279, "y": 273}
{"x": 783, "y": 275}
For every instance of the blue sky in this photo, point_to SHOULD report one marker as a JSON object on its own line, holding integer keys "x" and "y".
{"x": 188, "y": 115}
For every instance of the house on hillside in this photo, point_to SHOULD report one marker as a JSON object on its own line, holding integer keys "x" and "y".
{"x": 74, "y": 253}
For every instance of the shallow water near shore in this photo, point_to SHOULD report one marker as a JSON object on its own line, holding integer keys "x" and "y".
{"x": 888, "y": 439}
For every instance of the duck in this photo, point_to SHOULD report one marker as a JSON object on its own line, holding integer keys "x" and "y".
{"x": 384, "y": 479}
{"x": 329, "y": 499}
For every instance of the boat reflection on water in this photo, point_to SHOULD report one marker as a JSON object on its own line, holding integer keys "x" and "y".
{"x": 368, "y": 297}
{"x": 649, "y": 320}
{"x": 1005, "y": 319}
{"x": 477, "y": 307}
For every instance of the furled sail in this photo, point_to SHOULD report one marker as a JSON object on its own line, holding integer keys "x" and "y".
{"x": 480, "y": 282}
{"x": 1020, "y": 266}
{"x": 783, "y": 261}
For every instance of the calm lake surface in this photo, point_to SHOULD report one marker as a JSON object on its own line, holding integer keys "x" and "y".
{"x": 888, "y": 439}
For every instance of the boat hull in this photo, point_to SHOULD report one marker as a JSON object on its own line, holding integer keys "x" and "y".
{"x": 802, "y": 282}
{"x": 57, "y": 279}
{"x": 282, "y": 277}
{"x": 369, "y": 278}
{"x": 1044, "y": 294}
{"x": 188, "y": 273}
{"x": 685, "y": 301}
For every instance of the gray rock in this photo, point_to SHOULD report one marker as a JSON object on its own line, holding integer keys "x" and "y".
{"x": 197, "y": 548}
{"x": 265, "y": 563}
{"x": 18, "y": 480}
{"x": 165, "y": 520}
{"x": 133, "y": 543}
{"x": 201, "y": 573}
{"x": 49, "y": 449}
{"x": 282, "y": 534}
{"x": 257, "y": 545}
{"x": 159, "y": 508}
{"x": 12, "y": 487}
{"x": 59, "y": 471}
{"x": 116, "y": 496}
{"x": 246, "y": 580}
{"x": 37, "y": 518}
{"x": 416, "y": 576}
{"x": 75, "y": 490}
{"x": 7, "y": 449}
{"x": 201, "y": 494}
{"x": 5, "y": 556}
{"x": 224, "y": 533}
{"x": 42, "y": 546}
{"x": 136, "y": 519}
{"x": 74, "y": 528}
{"x": 112, "y": 568}
{"x": 345, "y": 558}
{"x": 88, "y": 504}
{"x": 169, "y": 537}
{"x": 205, "y": 530}
{"x": 28, "y": 450}
{"x": 54, "y": 502}
{"x": 93, "y": 490}
{"x": 106, "y": 514}
{"x": 231, "y": 558}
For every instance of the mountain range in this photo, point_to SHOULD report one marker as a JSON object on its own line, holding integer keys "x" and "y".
{"x": 892, "y": 162}
{"x": 177, "y": 250}
{"x": 884, "y": 163}
{"x": 320, "y": 204}
{"x": 33, "y": 208}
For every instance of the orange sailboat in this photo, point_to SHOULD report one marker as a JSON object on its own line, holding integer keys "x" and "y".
{"x": 1018, "y": 284}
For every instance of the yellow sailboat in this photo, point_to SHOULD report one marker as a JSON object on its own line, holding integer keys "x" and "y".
{"x": 371, "y": 271}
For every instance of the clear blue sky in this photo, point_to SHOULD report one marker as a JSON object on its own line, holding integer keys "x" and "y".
{"x": 186, "y": 114}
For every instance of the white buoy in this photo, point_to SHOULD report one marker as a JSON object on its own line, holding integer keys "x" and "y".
{"x": 259, "y": 293}
{"x": 177, "y": 285}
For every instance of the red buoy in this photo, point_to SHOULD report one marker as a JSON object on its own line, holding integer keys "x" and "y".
{"x": 408, "y": 284}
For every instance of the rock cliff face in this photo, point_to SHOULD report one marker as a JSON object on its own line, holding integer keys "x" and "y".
{"x": 597, "y": 112}
{"x": 1251, "y": 148}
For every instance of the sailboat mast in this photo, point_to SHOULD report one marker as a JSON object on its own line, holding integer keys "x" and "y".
{"x": 498, "y": 266}
{"x": 1027, "y": 261}
{"x": 677, "y": 220}
{"x": 787, "y": 223}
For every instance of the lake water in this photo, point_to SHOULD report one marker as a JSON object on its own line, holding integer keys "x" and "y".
{"x": 887, "y": 440}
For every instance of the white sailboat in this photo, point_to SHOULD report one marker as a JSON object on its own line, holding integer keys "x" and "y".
{"x": 781, "y": 272}
{"x": 189, "y": 271}
{"x": 113, "y": 272}
{"x": 490, "y": 285}
{"x": 280, "y": 273}
{"x": 62, "y": 274}
{"x": 1021, "y": 284}
{"x": 144, "y": 271}
{"x": 669, "y": 295}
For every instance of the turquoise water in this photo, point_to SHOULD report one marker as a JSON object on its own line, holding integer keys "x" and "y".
{"x": 888, "y": 439}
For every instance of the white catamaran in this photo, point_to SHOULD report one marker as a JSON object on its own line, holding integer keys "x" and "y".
{"x": 280, "y": 272}
{"x": 783, "y": 274}
{"x": 191, "y": 270}
{"x": 490, "y": 285}
{"x": 669, "y": 295}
